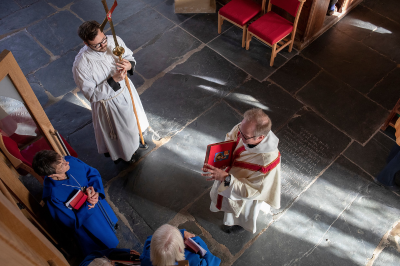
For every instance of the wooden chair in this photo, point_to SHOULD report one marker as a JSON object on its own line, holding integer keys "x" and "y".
{"x": 273, "y": 29}
{"x": 239, "y": 13}
{"x": 392, "y": 118}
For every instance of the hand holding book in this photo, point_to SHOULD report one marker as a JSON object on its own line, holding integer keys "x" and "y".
{"x": 214, "y": 173}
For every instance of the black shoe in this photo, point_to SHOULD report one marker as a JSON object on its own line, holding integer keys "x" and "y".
{"x": 143, "y": 147}
{"x": 234, "y": 229}
{"x": 116, "y": 226}
{"x": 118, "y": 161}
{"x": 107, "y": 154}
{"x": 330, "y": 12}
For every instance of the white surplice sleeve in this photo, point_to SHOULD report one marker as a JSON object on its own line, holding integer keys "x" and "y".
{"x": 83, "y": 75}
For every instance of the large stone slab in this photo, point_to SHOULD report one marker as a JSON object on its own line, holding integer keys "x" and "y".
{"x": 57, "y": 77}
{"x": 387, "y": 8}
{"x": 8, "y": 7}
{"x": 204, "y": 26}
{"x": 387, "y": 91}
{"x": 168, "y": 179}
{"x": 213, "y": 221}
{"x": 353, "y": 238}
{"x": 308, "y": 144}
{"x": 57, "y": 33}
{"x": 390, "y": 256}
{"x": 125, "y": 9}
{"x": 167, "y": 8}
{"x": 127, "y": 238}
{"x": 154, "y": 3}
{"x": 276, "y": 103}
{"x": 169, "y": 48}
{"x": 348, "y": 60}
{"x": 25, "y": 2}
{"x": 189, "y": 90}
{"x": 38, "y": 90}
{"x": 60, "y": 3}
{"x": 372, "y": 156}
{"x": 254, "y": 61}
{"x": 24, "y": 17}
{"x": 29, "y": 55}
{"x": 343, "y": 106}
{"x": 296, "y": 73}
{"x": 68, "y": 115}
{"x": 152, "y": 26}
{"x": 360, "y": 23}
{"x": 302, "y": 228}
{"x": 385, "y": 39}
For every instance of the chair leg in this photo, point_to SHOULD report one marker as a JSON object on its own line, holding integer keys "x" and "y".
{"x": 248, "y": 39}
{"x": 291, "y": 44}
{"x": 244, "y": 36}
{"x": 273, "y": 55}
{"x": 220, "y": 21}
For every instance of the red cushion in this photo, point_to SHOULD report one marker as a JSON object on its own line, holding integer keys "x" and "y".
{"x": 289, "y": 6}
{"x": 240, "y": 11}
{"x": 12, "y": 148}
{"x": 30, "y": 151}
{"x": 271, "y": 27}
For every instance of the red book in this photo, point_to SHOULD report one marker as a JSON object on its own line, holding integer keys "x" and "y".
{"x": 194, "y": 247}
{"x": 77, "y": 200}
{"x": 220, "y": 154}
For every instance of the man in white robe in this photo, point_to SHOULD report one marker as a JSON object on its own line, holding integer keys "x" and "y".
{"x": 101, "y": 77}
{"x": 253, "y": 181}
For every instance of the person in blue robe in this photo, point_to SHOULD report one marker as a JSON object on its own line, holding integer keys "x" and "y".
{"x": 387, "y": 176}
{"x": 93, "y": 224}
{"x": 193, "y": 258}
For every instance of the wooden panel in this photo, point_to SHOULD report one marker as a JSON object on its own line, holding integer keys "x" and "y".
{"x": 15, "y": 252}
{"x": 12, "y": 218}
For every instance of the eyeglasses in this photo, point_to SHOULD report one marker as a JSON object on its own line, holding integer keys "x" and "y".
{"x": 97, "y": 46}
{"x": 245, "y": 138}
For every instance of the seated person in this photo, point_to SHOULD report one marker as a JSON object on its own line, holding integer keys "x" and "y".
{"x": 108, "y": 256}
{"x": 166, "y": 246}
{"x": 93, "y": 223}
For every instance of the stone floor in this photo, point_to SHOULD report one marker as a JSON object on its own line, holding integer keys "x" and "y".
{"x": 326, "y": 102}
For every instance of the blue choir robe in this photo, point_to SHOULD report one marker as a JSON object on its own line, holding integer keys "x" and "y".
{"x": 103, "y": 253}
{"x": 91, "y": 228}
{"x": 193, "y": 258}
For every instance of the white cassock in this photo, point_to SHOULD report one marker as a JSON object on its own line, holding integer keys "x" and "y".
{"x": 255, "y": 181}
{"x": 114, "y": 121}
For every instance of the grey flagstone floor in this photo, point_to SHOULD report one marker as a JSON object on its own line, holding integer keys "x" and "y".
{"x": 327, "y": 104}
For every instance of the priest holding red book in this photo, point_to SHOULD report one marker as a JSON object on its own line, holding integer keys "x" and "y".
{"x": 252, "y": 181}
{"x": 67, "y": 181}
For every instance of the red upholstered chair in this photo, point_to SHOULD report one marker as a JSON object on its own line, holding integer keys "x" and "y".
{"x": 273, "y": 29}
{"x": 22, "y": 159}
{"x": 239, "y": 13}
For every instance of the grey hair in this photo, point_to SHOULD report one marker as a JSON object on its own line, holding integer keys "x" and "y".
{"x": 262, "y": 120}
{"x": 167, "y": 246}
{"x": 100, "y": 262}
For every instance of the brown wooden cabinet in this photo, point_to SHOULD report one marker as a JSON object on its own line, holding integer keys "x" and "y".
{"x": 313, "y": 20}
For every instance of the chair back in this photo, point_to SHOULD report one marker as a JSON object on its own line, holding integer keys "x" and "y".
{"x": 290, "y": 6}
{"x": 11, "y": 150}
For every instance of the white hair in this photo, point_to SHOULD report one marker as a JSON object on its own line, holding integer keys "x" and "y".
{"x": 100, "y": 262}
{"x": 167, "y": 246}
